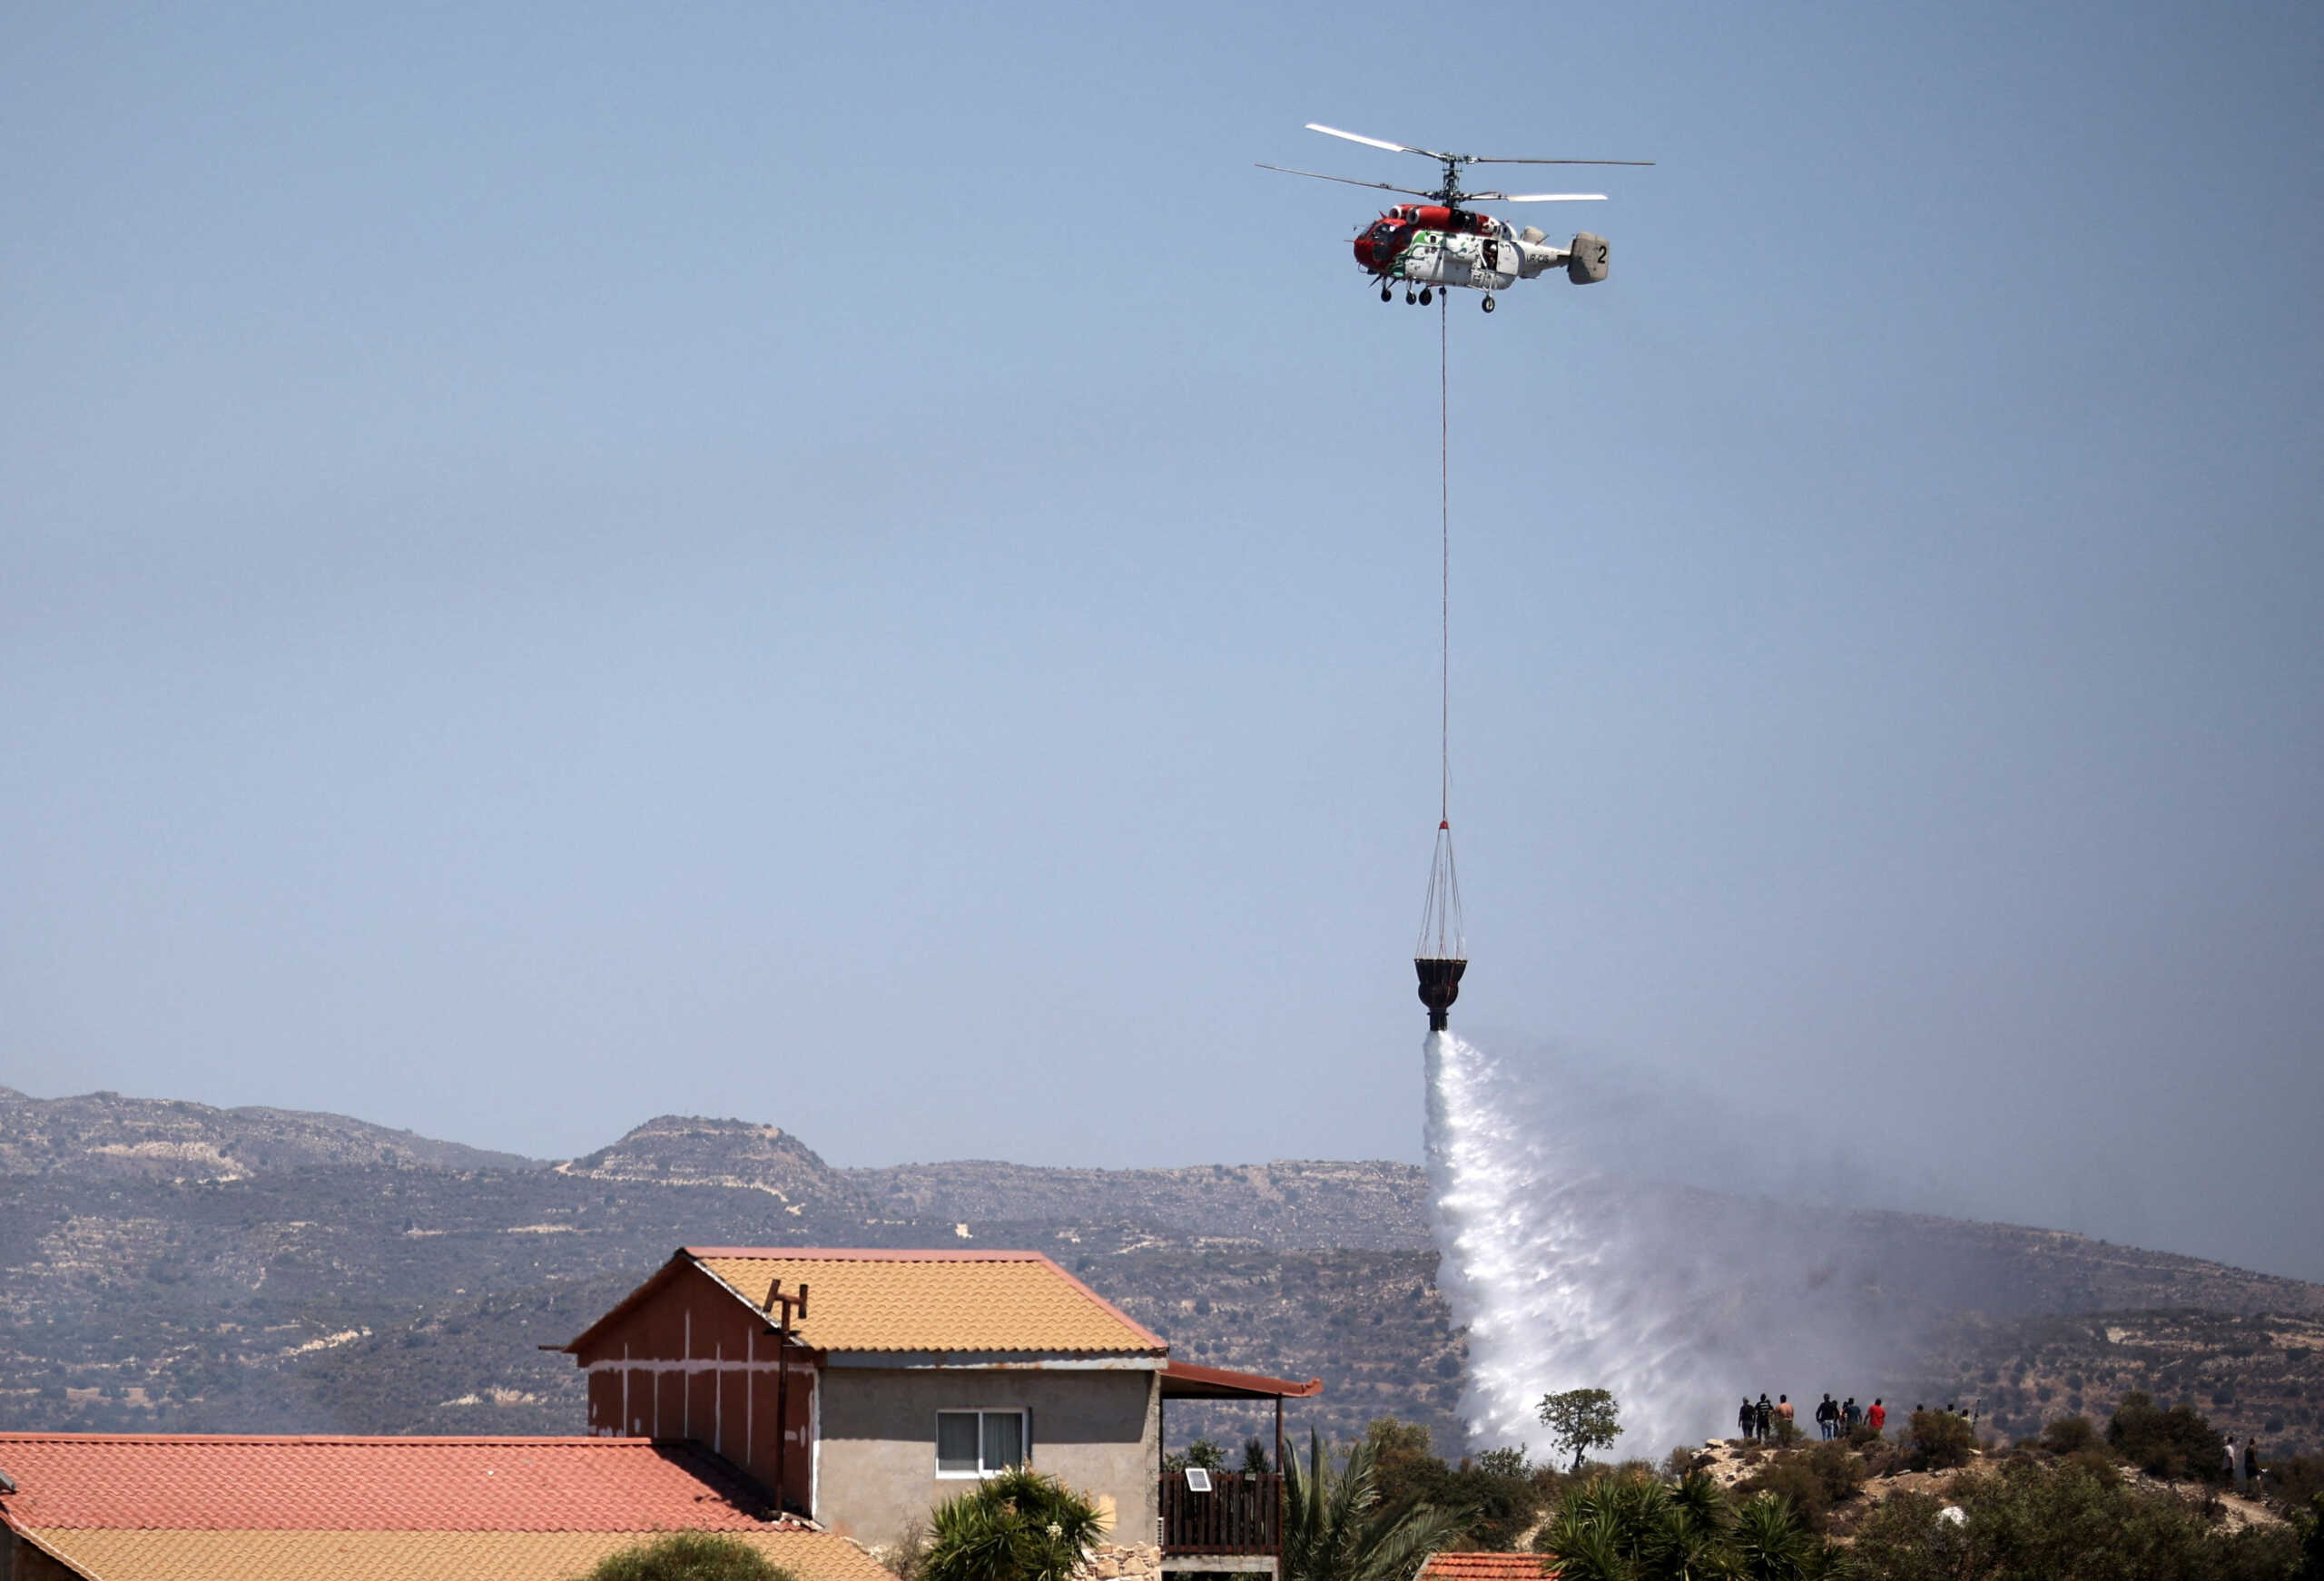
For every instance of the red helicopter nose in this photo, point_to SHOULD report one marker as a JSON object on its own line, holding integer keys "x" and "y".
{"x": 1363, "y": 252}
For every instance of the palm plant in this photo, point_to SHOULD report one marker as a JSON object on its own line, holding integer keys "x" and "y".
{"x": 1018, "y": 1526}
{"x": 1631, "y": 1528}
{"x": 1611, "y": 1528}
{"x": 1691, "y": 1542}
{"x": 1589, "y": 1545}
{"x": 1334, "y": 1528}
{"x": 1772, "y": 1544}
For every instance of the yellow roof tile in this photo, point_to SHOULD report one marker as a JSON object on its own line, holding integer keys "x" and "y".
{"x": 119, "y": 1555}
{"x": 956, "y": 1301}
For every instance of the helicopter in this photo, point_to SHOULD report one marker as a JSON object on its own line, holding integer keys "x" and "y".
{"x": 1441, "y": 243}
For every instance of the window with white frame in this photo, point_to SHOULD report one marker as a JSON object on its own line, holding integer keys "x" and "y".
{"x": 977, "y": 1443}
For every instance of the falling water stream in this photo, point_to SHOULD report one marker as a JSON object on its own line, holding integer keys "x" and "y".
{"x": 1569, "y": 1273}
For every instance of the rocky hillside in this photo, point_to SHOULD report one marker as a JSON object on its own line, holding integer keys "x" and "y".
{"x": 2254, "y": 1373}
{"x": 1374, "y": 1205}
{"x": 106, "y": 1135}
{"x": 174, "y": 1266}
{"x": 689, "y": 1150}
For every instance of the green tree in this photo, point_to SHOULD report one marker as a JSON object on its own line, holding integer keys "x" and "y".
{"x": 1581, "y": 1421}
{"x": 1202, "y": 1452}
{"x": 689, "y": 1557}
{"x": 2174, "y": 1444}
{"x": 1018, "y": 1526}
{"x": 1335, "y": 1528}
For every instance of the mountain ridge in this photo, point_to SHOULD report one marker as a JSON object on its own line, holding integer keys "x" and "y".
{"x": 104, "y": 1132}
{"x": 357, "y": 1279}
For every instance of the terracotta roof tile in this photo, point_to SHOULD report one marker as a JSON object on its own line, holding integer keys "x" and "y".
{"x": 933, "y": 1300}
{"x": 1455, "y": 1566}
{"x": 217, "y": 1483}
{"x": 407, "y": 1555}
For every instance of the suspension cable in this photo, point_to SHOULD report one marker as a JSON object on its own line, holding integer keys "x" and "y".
{"x": 1444, "y": 513}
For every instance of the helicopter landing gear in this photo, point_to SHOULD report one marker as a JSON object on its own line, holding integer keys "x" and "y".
{"x": 1488, "y": 302}
{"x": 1426, "y": 296}
{"x": 1409, "y": 298}
{"x": 1385, "y": 293}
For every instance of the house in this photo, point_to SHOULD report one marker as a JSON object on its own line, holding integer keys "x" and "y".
{"x": 794, "y": 1398}
{"x": 106, "y": 1507}
{"x": 900, "y": 1378}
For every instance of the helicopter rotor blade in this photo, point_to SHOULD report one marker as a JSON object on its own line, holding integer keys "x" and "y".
{"x": 1376, "y": 142}
{"x": 1534, "y": 198}
{"x": 1343, "y": 181}
{"x": 1489, "y": 159}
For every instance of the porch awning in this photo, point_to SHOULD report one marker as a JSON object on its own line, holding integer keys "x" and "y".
{"x": 1185, "y": 1380}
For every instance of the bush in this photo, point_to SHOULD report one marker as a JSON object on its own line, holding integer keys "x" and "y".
{"x": 2069, "y": 1436}
{"x": 2174, "y": 1444}
{"x": 1405, "y": 1468}
{"x": 2038, "y": 1520}
{"x": 1499, "y": 1491}
{"x": 1813, "y": 1481}
{"x": 1684, "y": 1461}
{"x": 1500, "y": 1496}
{"x": 2294, "y": 1481}
{"x": 1938, "y": 1440}
{"x": 689, "y": 1557}
{"x": 1880, "y": 1456}
{"x": 2096, "y": 1463}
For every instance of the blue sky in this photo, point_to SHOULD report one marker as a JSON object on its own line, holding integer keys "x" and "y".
{"x": 862, "y": 568}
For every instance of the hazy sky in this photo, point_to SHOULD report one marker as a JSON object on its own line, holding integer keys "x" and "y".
{"x": 862, "y": 569}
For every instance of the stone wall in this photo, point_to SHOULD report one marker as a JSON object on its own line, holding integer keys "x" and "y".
{"x": 1130, "y": 1561}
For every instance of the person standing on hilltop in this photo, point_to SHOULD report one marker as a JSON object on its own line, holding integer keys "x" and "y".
{"x": 1784, "y": 1414}
{"x": 1877, "y": 1417}
{"x": 1764, "y": 1415}
{"x": 1850, "y": 1414}
{"x": 1827, "y": 1415}
{"x": 1745, "y": 1418}
{"x": 2252, "y": 1466}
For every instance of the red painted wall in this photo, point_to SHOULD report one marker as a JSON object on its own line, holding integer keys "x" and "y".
{"x": 691, "y": 1361}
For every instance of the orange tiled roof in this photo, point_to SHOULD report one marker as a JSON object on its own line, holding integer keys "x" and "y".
{"x": 193, "y": 1482}
{"x": 932, "y": 1301}
{"x": 122, "y": 1555}
{"x": 1453, "y": 1567}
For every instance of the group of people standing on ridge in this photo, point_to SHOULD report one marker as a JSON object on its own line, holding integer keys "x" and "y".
{"x": 1834, "y": 1419}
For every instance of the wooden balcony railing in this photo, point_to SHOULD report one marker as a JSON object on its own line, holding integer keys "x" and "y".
{"x": 1241, "y": 1514}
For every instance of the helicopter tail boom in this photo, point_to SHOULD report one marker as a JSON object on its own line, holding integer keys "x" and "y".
{"x": 1584, "y": 262}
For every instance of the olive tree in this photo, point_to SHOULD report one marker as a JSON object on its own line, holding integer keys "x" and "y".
{"x": 1581, "y": 1421}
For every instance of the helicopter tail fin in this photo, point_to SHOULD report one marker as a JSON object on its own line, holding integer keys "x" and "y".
{"x": 1585, "y": 264}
